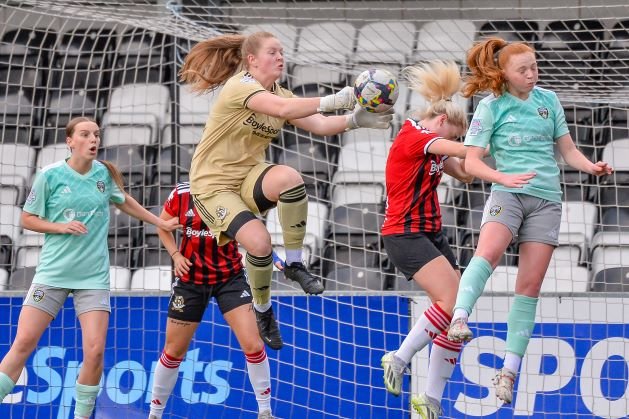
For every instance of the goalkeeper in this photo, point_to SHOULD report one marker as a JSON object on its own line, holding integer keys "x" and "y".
{"x": 229, "y": 179}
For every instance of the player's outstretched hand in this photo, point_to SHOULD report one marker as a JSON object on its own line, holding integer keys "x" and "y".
{"x": 515, "y": 181}
{"x": 278, "y": 262}
{"x": 344, "y": 99}
{"x": 170, "y": 225}
{"x": 181, "y": 264}
{"x": 361, "y": 118}
{"x": 600, "y": 168}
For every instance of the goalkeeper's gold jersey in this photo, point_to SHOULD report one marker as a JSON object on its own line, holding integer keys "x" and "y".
{"x": 235, "y": 138}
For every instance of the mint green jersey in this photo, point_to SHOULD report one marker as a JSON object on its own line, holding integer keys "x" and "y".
{"x": 60, "y": 195}
{"x": 521, "y": 135}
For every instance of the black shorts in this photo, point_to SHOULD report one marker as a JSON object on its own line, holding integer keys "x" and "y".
{"x": 409, "y": 252}
{"x": 188, "y": 301}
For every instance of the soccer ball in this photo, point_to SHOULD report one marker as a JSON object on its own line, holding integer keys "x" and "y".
{"x": 376, "y": 90}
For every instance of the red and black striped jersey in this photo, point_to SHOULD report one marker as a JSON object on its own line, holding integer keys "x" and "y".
{"x": 412, "y": 177}
{"x": 211, "y": 264}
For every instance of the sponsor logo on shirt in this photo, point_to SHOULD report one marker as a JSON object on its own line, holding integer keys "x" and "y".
{"x": 435, "y": 168}
{"x": 70, "y": 214}
{"x": 190, "y": 232}
{"x": 260, "y": 128}
{"x": 476, "y": 126}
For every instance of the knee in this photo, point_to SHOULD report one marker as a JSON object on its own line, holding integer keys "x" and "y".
{"x": 252, "y": 345}
{"x": 94, "y": 351}
{"x": 288, "y": 178}
{"x": 175, "y": 349}
{"x": 259, "y": 245}
{"x": 24, "y": 345}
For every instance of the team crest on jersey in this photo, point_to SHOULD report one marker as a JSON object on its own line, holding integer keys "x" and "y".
{"x": 543, "y": 112}
{"x": 100, "y": 185}
{"x": 221, "y": 212}
{"x": 38, "y": 295}
{"x": 178, "y": 303}
{"x": 495, "y": 210}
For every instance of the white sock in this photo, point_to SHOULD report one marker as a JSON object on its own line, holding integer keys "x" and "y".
{"x": 460, "y": 313}
{"x": 430, "y": 325}
{"x": 443, "y": 357}
{"x": 261, "y": 308}
{"x": 512, "y": 362}
{"x": 293, "y": 256}
{"x": 260, "y": 377}
{"x": 164, "y": 380}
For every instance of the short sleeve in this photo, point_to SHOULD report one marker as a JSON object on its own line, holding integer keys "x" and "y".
{"x": 561, "y": 127}
{"x": 38, "y": 196}
{"x": 239, "y": 89}
{"x": 171, "y": 206}
{"x": 481, "y": 127}
{"x": 117, "y": 196}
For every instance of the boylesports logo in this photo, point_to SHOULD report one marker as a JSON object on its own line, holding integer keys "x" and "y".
{"x": 260, "y": 128}
{"x": 190, "y": 232}
{"x": 435, "y": 168}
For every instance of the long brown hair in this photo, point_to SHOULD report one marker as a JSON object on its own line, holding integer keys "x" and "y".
{"x": 437, "y": 81}
{"x": 209, "y": 63}
{"x": 486, "y": 60}
{"x": 113, "y": 170}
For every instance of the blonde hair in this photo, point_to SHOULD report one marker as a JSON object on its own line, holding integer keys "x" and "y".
{"x": 437, "y": 81}
{"x": 486, "y": 60}
{"x": 111, "y": 168}
{"x": 209, "y": 63}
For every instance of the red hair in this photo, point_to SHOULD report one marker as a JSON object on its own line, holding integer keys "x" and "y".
{"x": 486, "y": 60}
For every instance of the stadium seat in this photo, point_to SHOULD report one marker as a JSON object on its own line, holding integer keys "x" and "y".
{"x": 338, "y": 256}
{"x": 51, "y": 154}
{"x": 315, "y": 229}
{"x": 61, "y": 108}
{"x": 356, "y": 219}
{"x": 17, "y": 162}
{"x": 617, "y": 58}
{"x": 29, "y": 247}
{"x": 363, "y": 161}
{"x": 313, "y": 165}
{"x": 4, "y": 279}
{"x": 366, "y": 193}
{"x": 566, "y": 255}
{"x": 152, "y": 278}
{"x": 21, "y": 279}
{"x": 119, "y": 278}
{"x": 323, "y": 53}
{"x": 136, "y": 114}
{"x": 510, "y": 30}
{"x": 134, "y": 162}
{"x": 444, "y": 40}
{"x": 613, "y": 190}
{"x": 611, "y": 280}
{"x": 355, "y": 279}
{"x": 577, "y": 225}
{"x": 557, "y": 279}
{"x": 123, "y": 238}
{"x": 387, "y": 42}
{"x": 368, "y": 134}
{"x": 83, "y": 59}
{"x": 140, "y": 55}
{"x": 19, "y": 120}
{"x": 606, "y": 257}
{"x": 194, "y": 108}
{"x": 567, "y": 55}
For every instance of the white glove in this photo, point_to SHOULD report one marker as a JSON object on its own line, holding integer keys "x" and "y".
{"x": 344, "y": 99}
{"x": 361, "y": 118}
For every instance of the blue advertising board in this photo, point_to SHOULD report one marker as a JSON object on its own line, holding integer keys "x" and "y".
{"x": 327, "y": 368}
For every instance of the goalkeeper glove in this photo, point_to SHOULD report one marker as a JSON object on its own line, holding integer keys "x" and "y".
{"x": 344, "y": 99}
{"x": 361, "y": 118}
